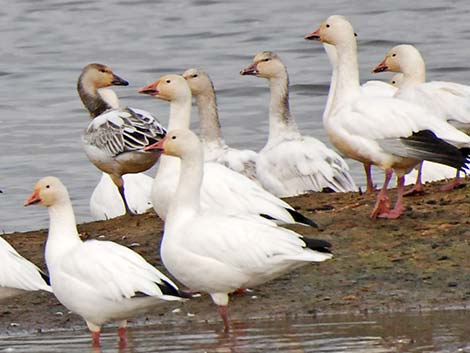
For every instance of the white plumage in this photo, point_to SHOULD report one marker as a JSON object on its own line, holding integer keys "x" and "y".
{"x": 222, "y": 188}
{"x": 215, "y": 148}
{"x": 390, "y": 133}
{"x": 106, "y": 202}
{"x": 17, "y": 274}
{"x": 217, "y": 253}
{"x": 98, "y": 280}
{"x": 291, "y": 164}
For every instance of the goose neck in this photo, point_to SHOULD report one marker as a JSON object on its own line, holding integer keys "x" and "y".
{"x": 280, "y": 118}
{"x": 186, "y": 200}
{"x": 63, "y": 234}
{"x": 209, "y": 123}
{"x": 180, "y": 114}
{"x": 332, "y": 57}
{"x": 91, "y": 99}
{"x": 347, "y": 85}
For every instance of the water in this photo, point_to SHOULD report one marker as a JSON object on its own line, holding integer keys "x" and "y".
{"x": 46, "y": 43}
{"x": 444, "y": 332}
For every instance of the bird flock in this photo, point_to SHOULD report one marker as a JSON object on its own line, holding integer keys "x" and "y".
{"x": 222, "y": 206}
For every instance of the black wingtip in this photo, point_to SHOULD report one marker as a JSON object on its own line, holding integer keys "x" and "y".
{"x": 45, "y": 278}
{"x": 432, "y": 148}
{"x": 318, "y": 245}
{"x": 169, "y": 289}
{"x": 300, "y": 218}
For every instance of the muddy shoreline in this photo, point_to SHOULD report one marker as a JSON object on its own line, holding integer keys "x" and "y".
{"x": 419, "y": 262}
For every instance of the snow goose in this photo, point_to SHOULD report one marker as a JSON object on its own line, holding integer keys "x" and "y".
{"x": 447, "y": 100}
{"x": 291, "y": 164}
{"x": 215, "y": 148}
{"x": 369, "y": 88}
{"x": 106, "y": 201}
{"x": 393, "y": 134}
{"x": 216, "y": 253}
{"x": 18, "y": 275}
{"x": 98, "y": 280}
{"x": 115, "y": 138}
{"x": 222, "y": 188}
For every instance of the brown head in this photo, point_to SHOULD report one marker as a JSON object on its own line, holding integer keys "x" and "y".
{"x": 99, "y": 76}
{"x": 265, "y": 64}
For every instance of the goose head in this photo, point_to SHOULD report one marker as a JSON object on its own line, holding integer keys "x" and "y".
{"x": 401, "y": 58}
{"x": 48, "y": 191}
{"x": 335, "y": 30}
{"x": 169, "y": 88}
{"x": 178, "y": 143}
{"x": 265, "y": 64}
{"x": 95, "y": 76}
{"x": 198, "y": 81}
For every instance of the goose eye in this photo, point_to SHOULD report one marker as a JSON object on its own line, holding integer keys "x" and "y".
{"x": 168, "y": 81}
{"x": 173, "y": 137}
{"x": 327, "y": 25}
{"x": 195, "y": 75}
{"x": 394, "y": 82}
{"x": 48, "y": 186}
{"x": 267, "y": 59}
{"x": 102, "y": 70}
{"x": 394, "y": 54}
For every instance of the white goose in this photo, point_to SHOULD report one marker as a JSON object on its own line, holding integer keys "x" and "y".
{"x": 369, "y": 88}
{"x": 215, "y": 148}
{"x": 222, "y": 188}
{"x": 106, "y": 201}
{"x": 18, "y": 275}
{"x": 98, "y": 280}
{"x": 290, "y": 163}
{"x": 390, "y": 133}
{"x": 115, "y": 138}
{"x": 447, "y": 100}
{"x": 217, "y": 253}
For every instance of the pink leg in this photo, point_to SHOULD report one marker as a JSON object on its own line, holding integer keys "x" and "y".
{"x": 382, "y": 205}
{"x": 95, "y": 335}
{"x": 399, "y": 206}
{"x": 240, "y": 291}
{"x": 122, "y": 333}
{"x": 418, "y": 189}
{"x": 370, "y": 183}
{"x": 454, "y": 184}
{"x": 223, "y": 312}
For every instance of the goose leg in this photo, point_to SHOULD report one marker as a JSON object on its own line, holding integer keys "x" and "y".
{"x": 418, "y": 188}
{"x": 370, "y": 183}
{"x": 223, "y": 312}
{"x": 382, "y": 204}
{"x": 122, "y": 333}
{"x": 399, "y": 206}
{"x": 454, "y": 184}
{"x": 119, "y": 182}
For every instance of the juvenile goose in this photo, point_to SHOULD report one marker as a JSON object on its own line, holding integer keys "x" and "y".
{"x": 447, "y": 100}
{"x": 216, "y": 253}
{"x": 390, "y": 133}
{"x": 115, "y": 138}
{"x": 106, "y": 201}
{"x": 18, "y": 275}
{"x": 222, "y": 188}
{"x": 98, "y": 280}
{"x": 291, "y": 164}
{"x": 215, "y": 148}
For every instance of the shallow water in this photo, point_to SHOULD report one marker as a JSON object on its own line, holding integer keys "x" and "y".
{"x": 46, "y": 43}
{"x": 444, "y": 332}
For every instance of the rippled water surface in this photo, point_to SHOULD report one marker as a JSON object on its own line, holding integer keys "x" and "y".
{"x": 444, "y": 332}
{"x": 46, "y": 43}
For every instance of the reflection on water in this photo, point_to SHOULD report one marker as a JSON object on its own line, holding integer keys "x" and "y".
{"x": 46, "y": 43}
{"x": 446, "y": 331}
